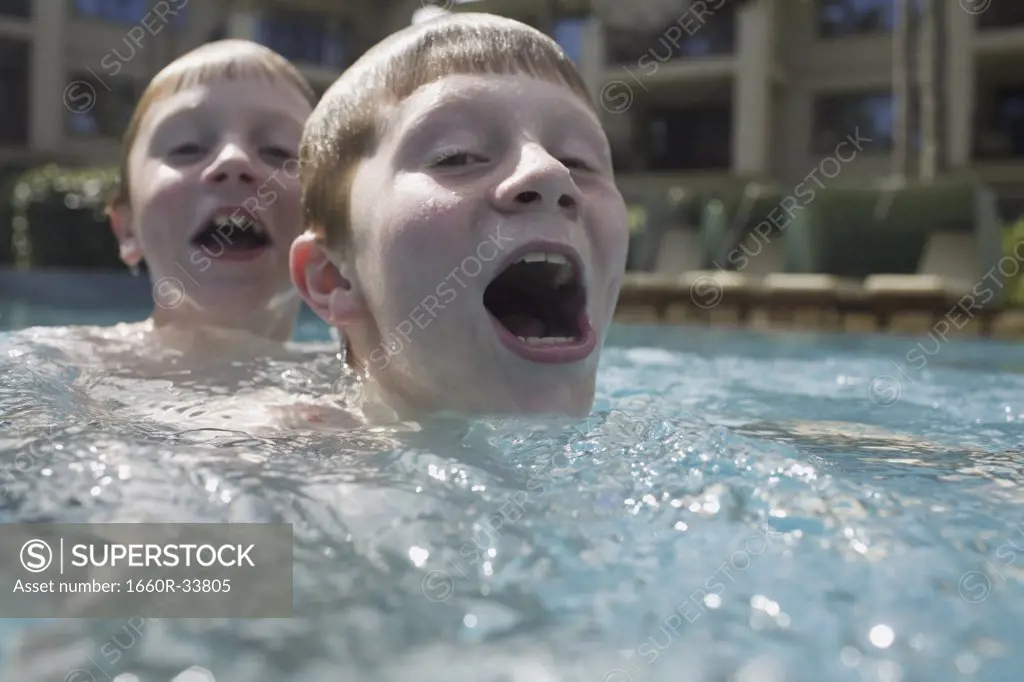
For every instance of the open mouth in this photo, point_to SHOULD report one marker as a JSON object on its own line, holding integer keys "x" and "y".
{"x": 539, "y": 305}
{"x": 232, "y": 235}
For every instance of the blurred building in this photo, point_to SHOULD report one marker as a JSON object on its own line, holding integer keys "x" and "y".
{"x": 71, "y": 70}
{"x": 767, "y": 89}
{"x": 701, "y": 98}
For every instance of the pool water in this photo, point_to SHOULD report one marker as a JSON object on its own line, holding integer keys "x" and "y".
{"x": 16, "y": 315}
{"x": 739, "y": 506}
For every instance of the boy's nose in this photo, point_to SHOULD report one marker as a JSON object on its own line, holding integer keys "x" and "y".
{"x": 232, "y": 164}
{"x": 540, "y": 183}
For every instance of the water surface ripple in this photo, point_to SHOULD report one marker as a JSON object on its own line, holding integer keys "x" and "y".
{"x": 738, "y": 507}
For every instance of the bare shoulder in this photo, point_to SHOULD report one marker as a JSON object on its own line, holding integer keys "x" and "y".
{"x": 315, "y": 416}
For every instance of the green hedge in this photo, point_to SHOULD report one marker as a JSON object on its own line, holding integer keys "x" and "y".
{"x": 9, "y": 176}
{"x": 6, "y": 220}
{"x": 856, "y": 233}
{"x": 859, "y": 232}
{"x": 1012, "y": 236}
{"x": 728, "y": 220}
{"x": 58, "y": 219}
{"x": 653, "y": 214}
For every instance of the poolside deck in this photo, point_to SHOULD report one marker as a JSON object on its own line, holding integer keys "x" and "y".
{"x": 815, "y": 302}
{"x": 805, "y": 302}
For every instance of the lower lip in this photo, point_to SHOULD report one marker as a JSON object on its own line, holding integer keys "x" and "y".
{"x": 572, "y": 351}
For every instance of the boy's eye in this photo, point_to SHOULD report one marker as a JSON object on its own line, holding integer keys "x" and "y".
{"x": 453, "y": 159}
{"x": 279, "y": 153}
{"x": 574, "y": 164}
{"x": 187, "y": 149}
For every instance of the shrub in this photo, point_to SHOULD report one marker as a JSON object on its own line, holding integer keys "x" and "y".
{"x": 1013, "y": 238}
{"x": 58, "y": 218}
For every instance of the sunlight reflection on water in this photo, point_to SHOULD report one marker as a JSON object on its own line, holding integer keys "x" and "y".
{"x": 718, "y": 514}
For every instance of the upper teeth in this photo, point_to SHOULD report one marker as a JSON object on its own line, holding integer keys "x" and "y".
{"x": 241, "y": 221}
{"x": 546, "y": 340}
{"x": 564, "y": 274}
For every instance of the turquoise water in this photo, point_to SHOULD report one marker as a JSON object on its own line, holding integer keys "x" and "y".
{"x": 738, "y": 507}
{"x": 19, "y": 315}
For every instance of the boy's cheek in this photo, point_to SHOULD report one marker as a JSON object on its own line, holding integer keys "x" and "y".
{"x": 289, "y": 215}
{"x": 422, "y": 253}
{"x": 610, "y": 238}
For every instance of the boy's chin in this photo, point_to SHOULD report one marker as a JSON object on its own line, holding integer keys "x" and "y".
{"x": 574, "y": 401}
{"x": 244, "y": 297}
{"x": 541, "y": 404}
{"x": 538, "y": 394}
{"x": 504, "y": 409}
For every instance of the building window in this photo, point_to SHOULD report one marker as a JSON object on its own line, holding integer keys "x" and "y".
{"x": 99, "y": 109}
{"x": 132, "y": 11}
{"x": 1004, "y": 137}
{"x": 568, "y": 34}
{"x": 14, "y": 92}
{"x": 840, "y": 18}
{"x": 305, "y": 38}
{"x": 16, "y": 8}
{"x": 868, "y": 115}
{"x": 698, "y": 138}
{"x": 1010, "y": 108}
{"x": 628, "y": 154}
{"x": 692, "y": 35}
{"x": 1001, "y": 15}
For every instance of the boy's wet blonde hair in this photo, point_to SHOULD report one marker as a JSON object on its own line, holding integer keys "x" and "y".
{"x": 345, "y": 126}
{"x": 230, "y": 59}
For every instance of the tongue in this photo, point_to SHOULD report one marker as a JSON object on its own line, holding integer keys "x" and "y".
{"x": 524, "y": 325}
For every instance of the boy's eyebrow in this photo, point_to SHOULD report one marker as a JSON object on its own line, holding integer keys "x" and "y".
{"x": 273, "y": 119}
{"x": 392, "y": 124}
{"x": 168, "y": 120}
{"x": 595, "y": 136}
{"x": 268, "y": 119}
{"x": 470, "y": 97}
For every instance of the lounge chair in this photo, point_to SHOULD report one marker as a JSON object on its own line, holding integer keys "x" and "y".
{"x": 785, "y": 294}
{"x": 679, "y": 279}
{"x": 679, "y": 250}
{"x": 949, "y": 268}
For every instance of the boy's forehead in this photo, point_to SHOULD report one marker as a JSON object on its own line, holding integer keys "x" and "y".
{"x": 516, "y": 92}
{"x": 270, "y": 96}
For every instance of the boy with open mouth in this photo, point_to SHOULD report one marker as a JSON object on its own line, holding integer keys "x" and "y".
{"x": 464, "y": 232}
{"x": 209, "y": 193}
{"x": 209, "y": 199}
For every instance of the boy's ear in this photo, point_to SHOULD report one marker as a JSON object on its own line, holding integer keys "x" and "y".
{"x": 120, "y": 224}
{"x": 328, "y": 290}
